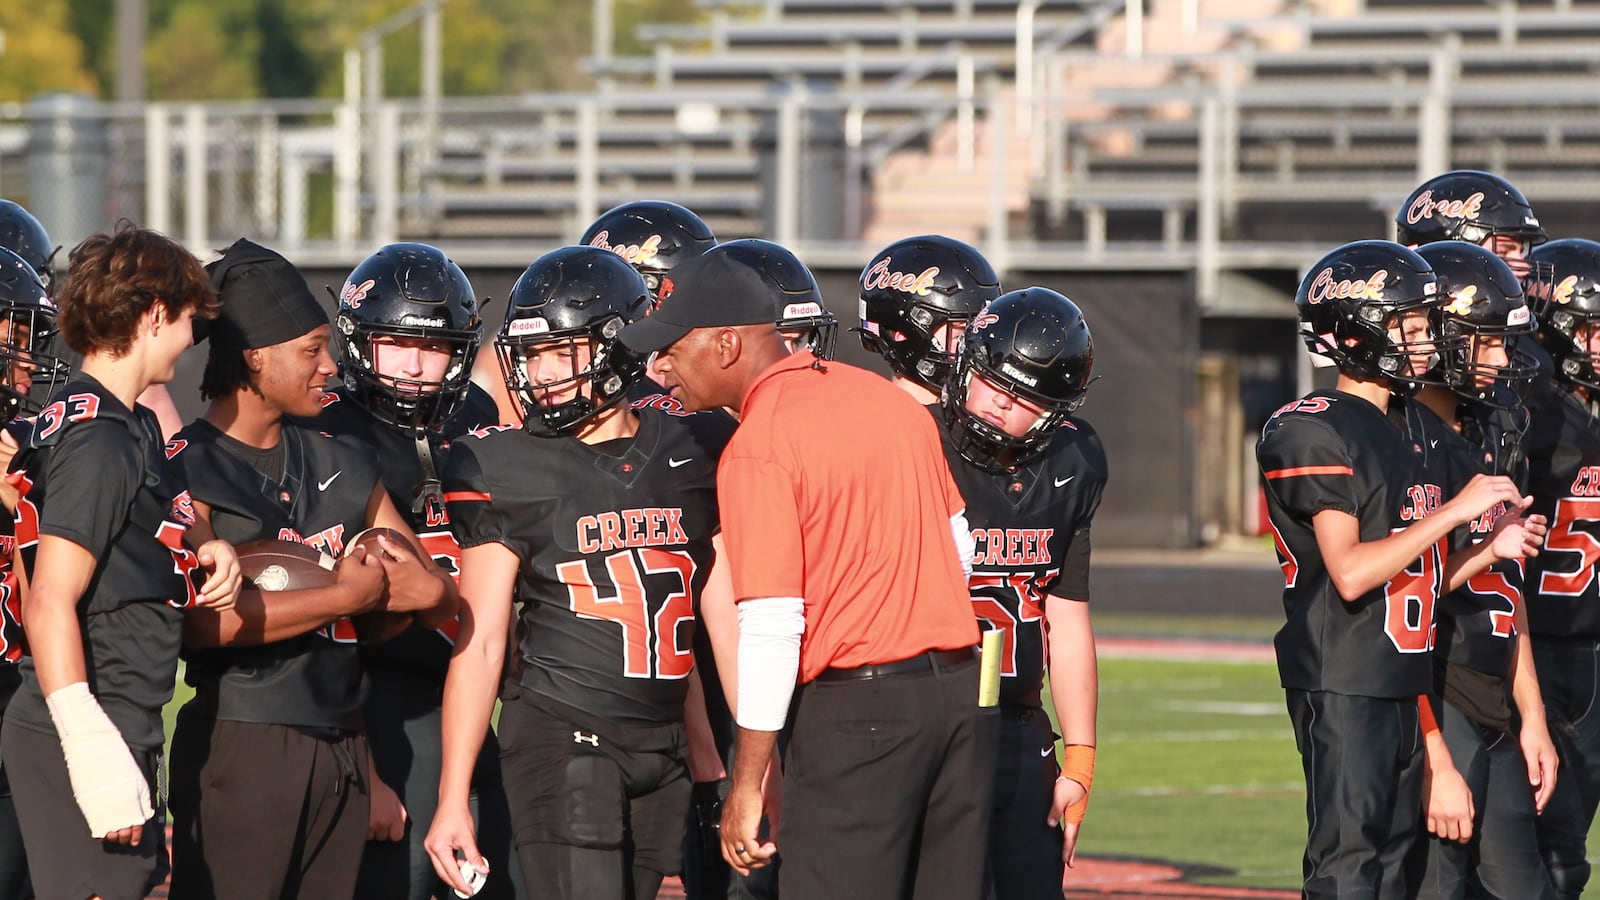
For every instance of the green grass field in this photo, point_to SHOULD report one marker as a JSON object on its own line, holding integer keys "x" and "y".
{"x": 1197, "y": 766}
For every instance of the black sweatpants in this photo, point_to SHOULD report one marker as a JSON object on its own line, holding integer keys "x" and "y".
{"x": 888, "y": 787}
{"x": 265, "y": 812}
{"x": 1569, "y": 679}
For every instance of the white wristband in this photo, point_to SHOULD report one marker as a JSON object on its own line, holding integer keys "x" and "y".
{"x": 769, "y": 659}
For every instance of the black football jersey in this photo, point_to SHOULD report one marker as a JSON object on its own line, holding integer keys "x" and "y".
{"x": 614, "y": 549}
{"x": 1031, "y": 533}
{"x": 1476, "y": 622}
{"x": 312, "y": 680}
{"x": 1331, "y": 450}
{"x": 92, "y": 471}
{"x": 418, "y": 651}
{"x": 12, "y": 646}
{"x": 1563, "y": 448}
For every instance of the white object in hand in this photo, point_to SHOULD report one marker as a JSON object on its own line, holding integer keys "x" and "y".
{"x": 473, "y": 878}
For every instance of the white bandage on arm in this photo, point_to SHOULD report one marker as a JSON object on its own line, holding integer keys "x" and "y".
{"x": 966, "y": 547}
{"x": 109, "y": 786}
{"x": 769, "y": 659}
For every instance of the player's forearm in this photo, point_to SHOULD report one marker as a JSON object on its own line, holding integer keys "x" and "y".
{"x": 1467, "y": 562}
{"x": 1074, "y": 672}
{"x": 1525, "y": 691}
{"x": 265, "y": 617}
{"x": 704, "y": 762}
{"x": 469, "y": 694}
{"x": 1359, "y": 567}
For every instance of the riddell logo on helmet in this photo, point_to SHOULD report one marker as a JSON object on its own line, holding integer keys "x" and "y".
{"x": 880, "y": 276}
{"x": 1425, "y": 207}
{"x": 1323, "y": 287}
{"x": 353, "y": 294}
{"x": 634, "y": 254}
{"x": 796, "y": 310}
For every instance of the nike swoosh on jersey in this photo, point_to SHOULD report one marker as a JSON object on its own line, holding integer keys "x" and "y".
{"x": 1061, "y": 482}
{"x": 323, "y": 485}
{"x": 674, "y": 463}
{"x": 1046, "y": 752}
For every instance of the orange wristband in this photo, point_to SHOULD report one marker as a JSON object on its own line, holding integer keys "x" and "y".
{"x": 1425, "y": 718}
{"x": 1078, "y": 764}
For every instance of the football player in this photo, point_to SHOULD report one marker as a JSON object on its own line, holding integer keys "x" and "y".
{"x": 1032, "y": 474}
{"x": 599, "y": 521}
{"x": 1563, "y": 449}
{"x": 27, "y": 319}
{"x": 103, "y": 519}
{"x": 1478, "y": 802}
{"x": 407, "y": 330}
{"x": 1361, "y": 530}
{"x": 917, "y": 296}
{"x": 272, "y": 785}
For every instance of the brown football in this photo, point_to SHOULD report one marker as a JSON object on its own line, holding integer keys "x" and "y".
{"x": 285, "y": 565}
{"x": 380, "y": 625}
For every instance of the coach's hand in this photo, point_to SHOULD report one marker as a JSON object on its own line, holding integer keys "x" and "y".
{"x": 453, "y": 831}
{"x": 741, "y": 823}
{"x": 224, "y": 578}
{"x": 1447, "y": 803}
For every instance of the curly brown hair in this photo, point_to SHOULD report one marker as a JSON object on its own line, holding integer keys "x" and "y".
{"x": 113, "y": 280}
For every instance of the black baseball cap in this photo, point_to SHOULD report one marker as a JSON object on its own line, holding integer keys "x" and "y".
{"x": 714, "y": 290}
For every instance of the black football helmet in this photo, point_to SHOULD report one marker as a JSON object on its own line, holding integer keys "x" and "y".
{"x": 30, "y": 322}
{"x": 1481, "y": 298}
{"x": 1574, "y": 302}
{"x": 567, "y": 296}
{"x": 1034, "y": 344}
{"x": 912, "y": 289}
{"x": 407, "y": 291}
{"x": 22, "y": 234}
{"x": 1467, "y": 205}
{"x": 652, "y": 236}
{"x": 801, "y": 315}
{"x": 1346, "y": 302}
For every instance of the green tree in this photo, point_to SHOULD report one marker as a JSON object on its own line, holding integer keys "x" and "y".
{"x": 200, "y": 53}
{"x": 40, "y": 53}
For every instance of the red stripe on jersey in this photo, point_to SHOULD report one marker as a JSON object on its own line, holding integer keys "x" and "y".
{"x": 1309, "y": 470}
{"x": 466, "y": 496}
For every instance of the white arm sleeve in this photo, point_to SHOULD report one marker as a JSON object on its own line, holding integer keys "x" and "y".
{"x": 966, "y": 547}
{"x": 769, "y": 659}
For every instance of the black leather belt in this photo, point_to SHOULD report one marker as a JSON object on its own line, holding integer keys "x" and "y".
{"x": 922, "y": 662}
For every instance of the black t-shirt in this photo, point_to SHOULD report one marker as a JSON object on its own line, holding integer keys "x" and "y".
{"x": 1031, "y": 531}
{"x": 417, "y": 651}
{"x": 1331, "y": 450}
{"x": 614, "y": 552}
{"x": 1563, "y": 447}
{"x": 312, "y": 680}
{"x": 93, "y": 472}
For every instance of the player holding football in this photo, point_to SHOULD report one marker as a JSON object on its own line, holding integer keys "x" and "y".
{"x": 598, "y": 520}
{"x": 271, "y": 775}
{"x": 1361, "y": 530}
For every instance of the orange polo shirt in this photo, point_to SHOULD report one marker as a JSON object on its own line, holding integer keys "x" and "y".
{"x": 835, "y": 489}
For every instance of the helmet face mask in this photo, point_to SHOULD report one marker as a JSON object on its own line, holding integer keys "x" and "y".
{"x": 570, "y": 305}
{"x": 1570, "y": 313}
{"x": 1484, "y": 321}
{"x": 1353, "y": 302}
{"x": 653, "y": 236}
{"x": 917, "y": 296}
{"x": 27, "y": 326}
{"x": 407, "y": 295}
{"x": 1033, "y": 345}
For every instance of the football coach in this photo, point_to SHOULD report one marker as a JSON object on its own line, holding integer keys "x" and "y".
{"x": 847, "y": 541}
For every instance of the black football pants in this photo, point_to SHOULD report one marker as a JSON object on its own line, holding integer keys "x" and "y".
{"x": 1024, "y": 852}
{"x": 1362, "y": 758}
{"x": 1569, "y": 679}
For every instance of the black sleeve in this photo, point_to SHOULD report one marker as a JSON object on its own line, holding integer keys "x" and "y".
{"x": 469, "y": 501}
{"x": 1073, "y": 582}
{"x": 1306, "y": 467}
{"x": 91, "y": 476}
